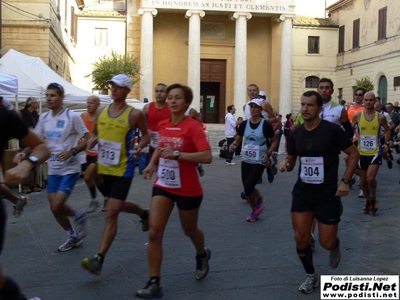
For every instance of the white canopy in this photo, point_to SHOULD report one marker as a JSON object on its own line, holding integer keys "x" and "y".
{"x": 8, "y": 84}
{"x": 34, "y": 76}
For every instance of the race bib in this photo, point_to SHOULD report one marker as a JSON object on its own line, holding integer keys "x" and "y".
{"x": 368, "y": 142}
{"x": 109, "y": 153}
{"x": 251, "y": 153}
{"x": 54, "y": 161}
{"x": 154, "y": 139}
{"x": 168, "y": 174}
{"x": 312, "y": 170}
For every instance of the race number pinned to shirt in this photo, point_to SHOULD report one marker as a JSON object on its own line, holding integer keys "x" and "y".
{"x": 154, "y": 139}
{"x": 312, "y": 170}
{"x": 368, "y": 142}
{"x": 109, "y": 153}
{"x": 251, "y": 153}
{"x": 168, "y": 174}
{"x": 54, "y": 161}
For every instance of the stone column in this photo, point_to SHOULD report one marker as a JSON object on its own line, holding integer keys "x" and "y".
{"x": 194, "y": 17}
{"x": 285, "y": 89}
{"x": 240, "y": 82}
{"x": 146, "y": 53}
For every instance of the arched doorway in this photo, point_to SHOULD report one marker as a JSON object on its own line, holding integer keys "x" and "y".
{"x": 382, "y": 91}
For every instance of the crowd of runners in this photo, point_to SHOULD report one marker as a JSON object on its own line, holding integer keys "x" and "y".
{"x": 114, "y": 137}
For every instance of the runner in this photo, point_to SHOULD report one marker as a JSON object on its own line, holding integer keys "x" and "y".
{"x": 369, "y": 123}
{"x": 62, "y": 128}
{"x": 317, "y": 143}
{"x": 182, "y": 145}
{"x": 11, "y": 126}
{"x": 116, "y": 127}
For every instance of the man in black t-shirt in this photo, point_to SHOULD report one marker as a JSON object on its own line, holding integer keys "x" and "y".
{"x": 317, "y": 143}
{"x": 11, "y": 126}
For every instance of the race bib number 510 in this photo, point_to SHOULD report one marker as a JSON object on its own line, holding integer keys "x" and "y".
{"x": 168, "y": 174}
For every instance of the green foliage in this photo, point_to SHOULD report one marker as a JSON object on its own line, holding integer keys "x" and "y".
{"x": 113, "y": 64}
{"x": 365, "y": 83}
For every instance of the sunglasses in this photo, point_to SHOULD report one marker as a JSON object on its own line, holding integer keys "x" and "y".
{"x": 359, "y": 95}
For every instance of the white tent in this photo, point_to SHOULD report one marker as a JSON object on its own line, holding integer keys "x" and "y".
{"x": 34, "y": 76}
{"x": 8, "y": 84}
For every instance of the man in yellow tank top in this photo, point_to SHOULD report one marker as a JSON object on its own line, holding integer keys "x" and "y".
{"x": 369, "y": 122}
{"x": 116, "y": 128}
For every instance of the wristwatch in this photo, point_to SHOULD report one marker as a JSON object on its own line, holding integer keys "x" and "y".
{"x": 176, "y": 154}
{"x": 346, "y": 181}
{"x": 74, "y": 151}
{"x": 33, "y": 159}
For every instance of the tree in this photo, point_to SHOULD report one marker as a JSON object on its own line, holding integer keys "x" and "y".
{"x": 113, "y": 64}
{"x": 365, "y": 83}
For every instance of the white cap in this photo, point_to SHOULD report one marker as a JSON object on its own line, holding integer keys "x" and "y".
{"x": 121, "y": 80}
{"x": 256, "y": 101}
{"x": 262, "y": 93}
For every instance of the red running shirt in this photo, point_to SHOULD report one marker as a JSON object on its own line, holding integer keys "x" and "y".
{"x": 155, "y": 115}
{"x": 187, "y": 136}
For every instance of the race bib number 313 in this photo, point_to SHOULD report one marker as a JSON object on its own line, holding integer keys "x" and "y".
{"x": 109, "y": 153}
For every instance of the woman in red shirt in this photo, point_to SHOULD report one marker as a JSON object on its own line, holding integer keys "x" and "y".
{"x": 182, "y": 145}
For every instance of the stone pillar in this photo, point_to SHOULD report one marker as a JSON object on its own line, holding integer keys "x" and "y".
{"x": 240, "y": 82}
{"x": 194, "y": 17}
{"x": 285, "y": 89}
{"x": 146, "y": 53}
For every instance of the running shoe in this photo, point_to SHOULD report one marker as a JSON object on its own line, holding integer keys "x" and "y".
{"x": 389, "y": 163}
{"x": 104, "y": 204}
{"x": 310, "y": 284}
{"x": 259, "y": 207}
{"x": 274, "y": 162}
{"x": 80, "y": 225}
{"x": 69, "y": 244}
{"x": 19, "y": 206}
{"x": 230, "y": 163}
{"x": 150, "y": 291}
{"x": 361, "y": 194}
{"x": 252, "y": 217}
{"x": 312, "y": 242}
{"x": 335, "y": 256}
{"x": 93, "y": 206}
{"x": 202, "y": 266}
{"x": 93, "y": 265}
{"x": 270, "y": 175}
{"x": 145, "y": 220}
{"x": 243, "y": 195}
{"x": 35, "y": 298}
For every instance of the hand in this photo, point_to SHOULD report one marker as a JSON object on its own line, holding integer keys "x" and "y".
{"x": 65, "y": 155}
{"x": 148, "y": 172}
{"x": 343, "y": 190}
{"x": 18, "y": 157}
{"x": 284, "y": 165}
{"x": 166, "y": 152}
{"x": 232, "y": 147}
{"x": 92, "y": 141}
{"x": 137, "y": 151}
{"x": 19, "y": 173}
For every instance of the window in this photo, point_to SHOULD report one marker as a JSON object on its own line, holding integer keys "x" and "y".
{"x": 313, "y": 44}
{"x": 340, "y": 95}
{"x": 356, "y": 33}
{"x": 341, "y": 39}
{"x": 74, "y": 25}
{"x": 312, "y": 82}
{"x": 382, "y": 23}
{"x": 101, "y": 36}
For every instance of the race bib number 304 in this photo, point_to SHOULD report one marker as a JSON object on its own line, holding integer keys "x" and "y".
{"x": 312, "y": 170}
{"x": 168, "y": 174}
{"x": 109, "y": 153}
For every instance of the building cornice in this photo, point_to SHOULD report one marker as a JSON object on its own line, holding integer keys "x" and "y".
{"x": 338, "y": 5}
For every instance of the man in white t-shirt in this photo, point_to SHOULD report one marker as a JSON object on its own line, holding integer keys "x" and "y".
{"x": 230, "y": 132}
{"x": 63, "y": 128}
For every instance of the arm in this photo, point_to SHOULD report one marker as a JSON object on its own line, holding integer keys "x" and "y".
{"x": 353, "y": 157}
{"x": 344, "y": 120}
{"x": 388, "y": 133}
{"x": 138, "y": 119}
{"x": 195, "y": 115}
{"x": 271, "y": 115}
{"x": 22, "y": 171}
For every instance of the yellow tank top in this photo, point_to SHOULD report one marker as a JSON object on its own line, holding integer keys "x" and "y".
{"x": 369, "y": 135}
{"x": 116, "y": 138}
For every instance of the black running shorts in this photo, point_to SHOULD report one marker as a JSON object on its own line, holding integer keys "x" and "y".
{"x": 183, "y": 202}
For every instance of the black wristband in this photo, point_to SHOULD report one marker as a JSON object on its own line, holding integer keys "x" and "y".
{"x": 74, "y": 151}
